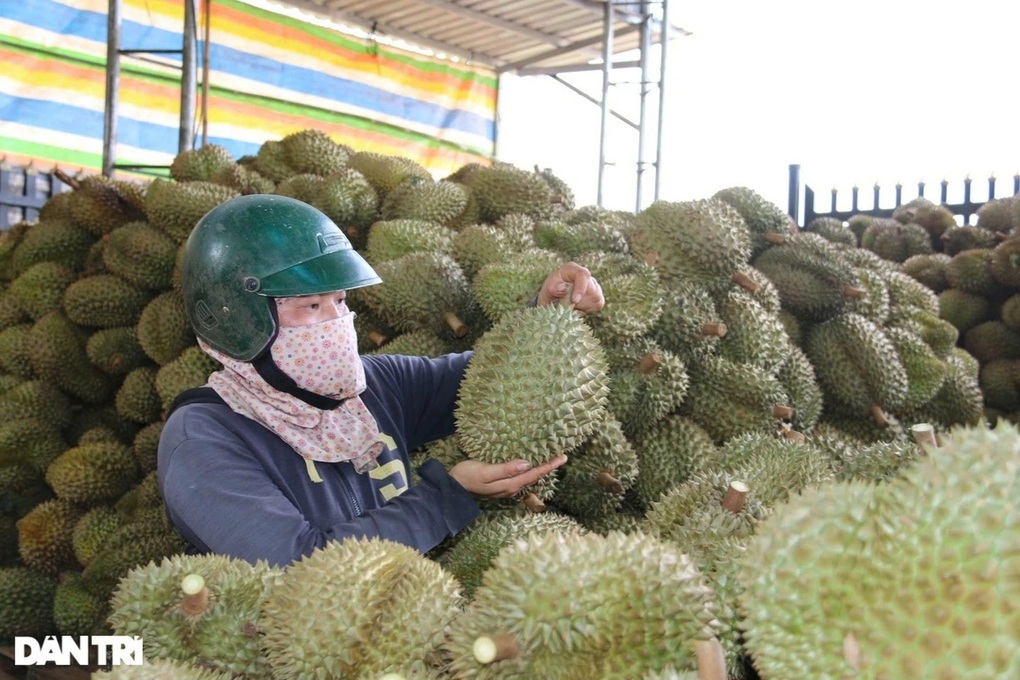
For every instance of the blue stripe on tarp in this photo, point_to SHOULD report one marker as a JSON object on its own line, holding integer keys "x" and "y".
{"x": 60, "y": 117}
{"x": 62, "y": 19}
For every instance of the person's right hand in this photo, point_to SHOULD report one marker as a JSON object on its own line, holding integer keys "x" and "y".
{"x": 501, "y": 480}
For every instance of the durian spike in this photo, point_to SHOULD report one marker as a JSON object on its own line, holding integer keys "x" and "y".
{"x": 924, "y": 435}
{"x": 458, "y": 327}
{"x": 852, "y": 651}
{"x": 533, "y": 503}
{"x": 745, "y": 282}
{"x": 711, "y": 660}
{"x": 196, "y": 595}
{"x": 377, "y": 338}
{"x": 609, "y": 483}
{"x": 782, "y": 412}
{"x": 713, "y": 329}
{"x": 854, "y": 293}
{"x": 774, "y": 238}
{"x": 735, "y": 495}
{"x": 650, "y": 363}
{"x": 881, "y": 417}
{"x": 491, "y": 648}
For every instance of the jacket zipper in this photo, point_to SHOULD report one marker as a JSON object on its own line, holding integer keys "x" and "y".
{"x": 350, "y": 494}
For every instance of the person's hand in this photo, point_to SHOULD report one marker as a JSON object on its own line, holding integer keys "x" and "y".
{"x": 501, "y": 480}
{"x": 587, "y": 293}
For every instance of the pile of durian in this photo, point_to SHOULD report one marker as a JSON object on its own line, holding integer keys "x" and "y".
{"x": 745, "y": 495}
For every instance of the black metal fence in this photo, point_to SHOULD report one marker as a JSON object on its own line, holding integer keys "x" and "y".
{"x": 23, "y": 191}
{"x": 964, "y": 209}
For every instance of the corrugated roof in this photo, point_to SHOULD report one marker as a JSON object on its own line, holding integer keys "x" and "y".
{"x": 524, "y": 36}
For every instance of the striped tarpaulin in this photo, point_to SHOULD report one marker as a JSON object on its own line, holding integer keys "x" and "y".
{"x": 270, "y": 74}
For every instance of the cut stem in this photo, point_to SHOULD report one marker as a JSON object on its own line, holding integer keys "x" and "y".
{"x": 924, "y": 435}
{"x": 377, "y": 338}
{"x": 735, "y": 495}
{"x": 775, "y": 238}
{"x": 745, "y": 282}
{"x": 854, "y": 293}
{"x": 458, "y": 327}
{"x": 880, "y": 417}
{"x": 491, "y": 648}
{"x": 782, "y": 412}
{"x": 714, "y": 329}
{"x": 650, "y": 363}
{"x": 609, "y": 483}
{"x": 196, "y": 595}
{"x": 533, "y": 503}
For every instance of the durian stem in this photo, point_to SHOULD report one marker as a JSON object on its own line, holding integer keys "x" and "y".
{"x": 880, "y": 416}
{"x": 650, "y": 363}
{"x": 854, "y": 293}
{"x": 651, "y": 258}
{"x": 533, "y": 503}
{"x": 852, "y": 652}
{"x": 711, "y": 660}
{"x": 924, "y": 435}
{"x": 458, "y": 327}
{"x": 66, "y": 179}
{"x": 782, "y": 412}
{"x": 714, "y": 329}
{"x": 745, "y": 282}
{"x": 377, "y": 338}
{"x": 790, "y": 433}
{"x": 196, "y": 595}
{"x": 735, "y": 495}
{"x": 1001, "y": 236}
{"x": 491, "y": 648}
{"x": 774, "y": 238}
{"x": 609, "y": 483}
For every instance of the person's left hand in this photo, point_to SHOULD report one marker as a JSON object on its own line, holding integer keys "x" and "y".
{"x": 587, "y": 293}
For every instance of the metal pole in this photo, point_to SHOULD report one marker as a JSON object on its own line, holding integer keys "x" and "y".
{"x": 189, "y": 77}
{"x": 793, "y": 196}
{"x": 112, "y": 87}
{"x": 207, "y": 8}
{"x": 664, "y": 36}
{"x": 607, "y": 67}
{"x": 646, "y": 29}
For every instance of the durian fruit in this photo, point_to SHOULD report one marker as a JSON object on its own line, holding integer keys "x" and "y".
{"x": 929, "y": 269}
{"x": 813, "y": 278}
{"x": 503, "y": 189}
{"x": 137, "y": 398}
{"x": 159, "y": 669}
{"x": 704, "y": 241}
{"x": 145, "y": 446}
{"x": 39, "y": 290}
{"x": 896, "y": 242}
{"x": 384, "y": 172}
{"x": 104, "y": 301}
{"x": 14, "y": 358}
{"x": 833, "y": 229}
{"x": 245, "y": 180}
{"x": 190, "y": 369}
{"x": 960, "y": 238}
{"x": 36, "y": 399}
{"x": 633, "y": 294}
{"x": 1005, "y": 267}
{"x": 754, "y": 335}
{"x": 689, "y": 325}
{"x": 971, "y": 271}
{"x": 669, "y": 452}
{"x": 418, "y": 198}
{"x": 727, "y": 398}
{"x": 477, "y": 245}
{"x": 991, "y": 340}
{"x": 911, "y": 578}
{"x": 573, "y": 240}
{"x": 270, "y": 161}
{"x": 389, "y": 239}
{"x": 31, "y": 441}
{"x": 1000, "y": 380}
{"x": 536, "y": 387}
{"x": 93, "y": 474}
{"x": 44, "y": 536}
{"x": 304, "y": 187}
{"x": 115, "y": 351}
{"x": 800, "y": 383}
{"x": 423, "y": 291}
{"x": 99, "y": 205}
{"x": 599, "y": 473}
{"x": 163, "y": 330}
{"x": 962, "y": 309}
{"x": 313, "y": 151}
{"x": 505, "y": 286}
{"x": 141, "y": 255}
{"x": 578, "y": 605}
{"x": 388, "y": 609}
{"x": 76, "y": 611}
{"x": 350, "y": 201}
{"x": 51, "y": 240}
{"x": 936, "y": 219}
{"x": 202, "y": 610}
{"x": 925, "y": 371}
{"x": 997, "y": 215}
{"x": 857, "y": 366}
{"x": 56, "y": 350}
{"x": 93, "y": 530}
{"x": 472, "y": 551}
{"x": 876, "y": 462}
{"x": 201, "y": 164}
{"x": 26, "y": 602}
{"x": 765, "y": 220}
{"x": 646, "y": 383}
{"x": 175, "y": 207}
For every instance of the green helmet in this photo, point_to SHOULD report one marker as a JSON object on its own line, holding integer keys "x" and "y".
{"x": 252, "y": 248}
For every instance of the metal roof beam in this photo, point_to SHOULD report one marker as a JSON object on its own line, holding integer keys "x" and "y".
{"x": 566, "y": 49}
{"x": 577, "y": 68}
{"x": 623, "y": 15}
{"x": 486, "y": 18}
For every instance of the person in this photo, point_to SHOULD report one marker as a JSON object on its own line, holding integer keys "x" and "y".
{"x": 298, "y": 440}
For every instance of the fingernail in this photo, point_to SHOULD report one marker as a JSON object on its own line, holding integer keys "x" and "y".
{"x": 576, "y": 298}
{"x": 522, "y": 467}
{"x": 564, "y": 457}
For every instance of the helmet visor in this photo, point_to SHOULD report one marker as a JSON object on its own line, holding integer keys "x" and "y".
{"x": 339, "y": 270}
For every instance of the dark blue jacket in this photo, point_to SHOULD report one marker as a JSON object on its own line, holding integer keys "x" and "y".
{"x": 234, "y": 488}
